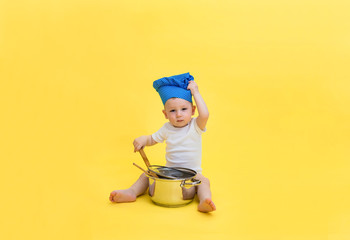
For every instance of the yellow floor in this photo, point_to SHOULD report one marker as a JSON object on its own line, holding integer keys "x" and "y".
{"x": 76, "y": 89}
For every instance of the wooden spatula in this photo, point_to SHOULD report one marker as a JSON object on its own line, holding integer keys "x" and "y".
{"x": 145, "y": 159}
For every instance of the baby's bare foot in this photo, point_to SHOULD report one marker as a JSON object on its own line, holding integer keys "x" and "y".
{"x": 119, "y": 196}
{"x": 206, "y": 205}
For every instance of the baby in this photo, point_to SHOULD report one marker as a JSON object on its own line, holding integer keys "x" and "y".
{"x": 182, "y": 135}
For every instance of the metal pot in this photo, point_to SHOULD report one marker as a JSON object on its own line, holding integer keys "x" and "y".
{"x": 173, "y": 192}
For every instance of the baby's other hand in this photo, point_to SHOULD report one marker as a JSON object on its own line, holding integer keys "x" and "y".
{"x": 192, "y": 85}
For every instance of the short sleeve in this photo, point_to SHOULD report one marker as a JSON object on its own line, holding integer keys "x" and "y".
{"x": 160, "y": 135}
{"x": 198, "y": 130}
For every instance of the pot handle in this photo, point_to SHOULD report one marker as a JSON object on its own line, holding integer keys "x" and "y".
{"x": 194, "y": 182}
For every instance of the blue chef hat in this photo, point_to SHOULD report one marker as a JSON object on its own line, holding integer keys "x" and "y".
{"x": 175, "y": 86}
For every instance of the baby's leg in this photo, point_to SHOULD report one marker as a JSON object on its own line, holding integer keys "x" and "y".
{"x": 130, "y": 194}
{"x": 204, "y": 195}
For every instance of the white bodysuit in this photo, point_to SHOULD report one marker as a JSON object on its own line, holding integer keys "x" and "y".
{"x": 183, "y": 145}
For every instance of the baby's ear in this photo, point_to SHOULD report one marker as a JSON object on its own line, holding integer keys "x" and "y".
{"x": 165, "y": 115}
{"x": 193, "y": 109}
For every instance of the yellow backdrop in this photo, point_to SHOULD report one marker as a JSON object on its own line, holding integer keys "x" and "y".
{"x": 76, "y": 89}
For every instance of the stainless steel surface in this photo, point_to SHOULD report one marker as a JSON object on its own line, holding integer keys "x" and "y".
{"x": 172, "y": 192}
{"x": 194, "y": 182}
{"x": 172, "y": 172}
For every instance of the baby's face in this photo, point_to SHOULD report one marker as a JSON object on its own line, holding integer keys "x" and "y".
{"x": 178, "y": 111}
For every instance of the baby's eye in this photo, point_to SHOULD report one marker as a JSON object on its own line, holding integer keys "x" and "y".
{"x": 184, "y": 109}
{"x": 172, "y": 110}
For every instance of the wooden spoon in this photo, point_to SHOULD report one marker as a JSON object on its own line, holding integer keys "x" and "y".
{"x": 147, "y": 172}
{"x": 144, "y": 157}
{"x": 140, "y": 168}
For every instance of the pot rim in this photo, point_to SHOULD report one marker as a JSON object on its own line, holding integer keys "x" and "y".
{"x": 172, "y": 179}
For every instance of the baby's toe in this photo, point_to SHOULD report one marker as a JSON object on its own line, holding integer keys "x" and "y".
{"x": 111, "y": 196}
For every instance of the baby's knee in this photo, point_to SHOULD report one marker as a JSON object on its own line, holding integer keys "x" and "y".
{"x": 143, "y": 177}
{"x": 203, "y": 179}
{"x": 206, "y": 181}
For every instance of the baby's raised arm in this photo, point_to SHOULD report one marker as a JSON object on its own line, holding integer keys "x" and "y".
{"x": 203, "y": 113}
{"x": 143, "y": 141}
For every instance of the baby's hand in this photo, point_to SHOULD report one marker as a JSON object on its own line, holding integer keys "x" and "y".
{"x": 192, "y": 85}
{"x": 139, "y": 143}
